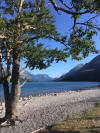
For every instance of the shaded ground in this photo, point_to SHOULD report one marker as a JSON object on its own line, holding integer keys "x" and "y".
{"x": 87, "y": 122}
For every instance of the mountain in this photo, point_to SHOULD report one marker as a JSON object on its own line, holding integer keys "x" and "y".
{"x": 31, "y": 77}
{"x": 37, "y": 77}
{"x": 75, "y": 69}
{"x": 88, "y": 72}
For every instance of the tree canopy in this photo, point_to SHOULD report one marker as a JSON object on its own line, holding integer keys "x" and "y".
{"x": 35, "y": 23}
{"x": 84, "y": 15}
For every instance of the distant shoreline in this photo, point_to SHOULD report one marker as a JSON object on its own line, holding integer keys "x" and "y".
{"x": 55, "y": 92}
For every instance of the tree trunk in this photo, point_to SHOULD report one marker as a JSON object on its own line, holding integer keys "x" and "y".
{"x": 6, "y": 96}
{"x": 13, "y": 99}
{"x": 15, "y": 90}
{"x": 4, "y": 82}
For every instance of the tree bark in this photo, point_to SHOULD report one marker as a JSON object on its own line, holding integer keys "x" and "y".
{"x": 13, "y": 99}
{"x": 6, "y": 95}
{"x": 8, "y": 56}
{"x": 5, "y": 84}
{"x": 15, "y": 90}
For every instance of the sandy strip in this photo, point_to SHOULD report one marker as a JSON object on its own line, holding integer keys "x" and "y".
{"x": 37, "y": 112}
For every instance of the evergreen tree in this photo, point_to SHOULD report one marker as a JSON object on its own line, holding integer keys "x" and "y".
{"x": 22, "y": 24}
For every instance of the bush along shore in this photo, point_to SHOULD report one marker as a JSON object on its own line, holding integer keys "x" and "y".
{"x": 41, "y": 111}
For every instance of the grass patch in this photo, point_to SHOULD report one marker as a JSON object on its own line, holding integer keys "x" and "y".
{"x": 87, "y": 122}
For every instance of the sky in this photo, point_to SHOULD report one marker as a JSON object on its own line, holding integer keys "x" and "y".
{"x": 64, "y": 24}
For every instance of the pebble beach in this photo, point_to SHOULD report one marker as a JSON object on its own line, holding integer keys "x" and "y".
{"x": 41, "y": 111}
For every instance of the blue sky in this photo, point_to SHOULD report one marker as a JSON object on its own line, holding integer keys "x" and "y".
{"x": 64, "y": 24}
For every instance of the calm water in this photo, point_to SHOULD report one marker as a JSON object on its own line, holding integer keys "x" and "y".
{"x": 32, "y": 88}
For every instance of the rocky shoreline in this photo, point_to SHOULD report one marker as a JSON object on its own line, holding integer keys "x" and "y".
{"x": 40, "y": 111}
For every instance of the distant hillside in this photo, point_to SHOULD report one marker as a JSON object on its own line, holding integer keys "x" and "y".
{"x": 72, "y": 71}
{"x": 37, "y": 77}
{"x": 88, "y": 72}
{"x": 32, "y": 77}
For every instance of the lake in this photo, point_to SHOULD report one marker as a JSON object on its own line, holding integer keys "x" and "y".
{"x": 34, "y": 88}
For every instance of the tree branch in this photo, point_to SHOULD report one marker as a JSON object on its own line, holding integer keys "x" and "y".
{"x": 20, "y": 7}
{"x": 92, "y": 18}
{"x": 75, "y": 19}
{"x": 57, "y": 40}
{"x": 86, "y": 24}
{"x": 8, "y": 65}
{"x": 19, "y": 13}
{"x": 27, "y": 26}
{"x": 23, "y": 69}
{"x": 1, "y": 65}
{"x": 65, "y": 4}
{"x": 23, "y": 83}
{"x": 2, "y": 37}
{"x": 58, "y": 8}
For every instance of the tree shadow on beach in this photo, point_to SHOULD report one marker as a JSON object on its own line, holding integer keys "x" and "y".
{"x": 49, "y": 130}
{"x": 4, "y": 122}
{"x": 70, "y": 131}
{"x": 95, "y": 129}
{"x": 84, "y": 118}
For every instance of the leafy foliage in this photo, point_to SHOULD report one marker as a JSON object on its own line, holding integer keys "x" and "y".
{"x": 80, "y": 41}
{"x": 35, "y": 23}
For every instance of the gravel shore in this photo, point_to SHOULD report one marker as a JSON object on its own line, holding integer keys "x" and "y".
{"x": 41, "y": 111}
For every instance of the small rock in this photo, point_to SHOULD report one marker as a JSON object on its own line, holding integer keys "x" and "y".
{"x": 3, "y": 104}
{"x": 25, "y": 98}
{"x": 1, "y": 107}
{"x": 30, "y": 97}
{"x": 21, "y": 99}
{"x": 55, "y": 94}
